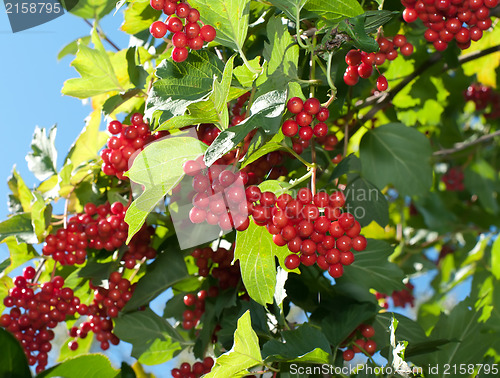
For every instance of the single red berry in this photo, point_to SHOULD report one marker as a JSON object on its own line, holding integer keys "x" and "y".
{"x": 348, "y": 355}
{"x": 295, "y": 105}
{"x": 208, "y": 33}
{"x": 179, "y": 54}
{"x": 292, "y": 261}
{"x": 382, "y": 84}
{"x": 323, "y": 114}
{"x": 179, "y": 39}
{"x": 410, "y": 15}
{"x": 157, "y": 4}
{"x": 290, "y": 128}
{"x": 353, "y": 58}
{"x": 158, "y": 29}
{"x": 312, "y": 106}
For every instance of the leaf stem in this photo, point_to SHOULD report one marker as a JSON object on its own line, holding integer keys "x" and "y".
{"x": 329, "y": 79}
{"x": 313, "y": 169}
{"x": 301, "y": 180}
{"x": 246, "y": 62}
{"x": 297, "y": 156}
{"x": 297, "y": 28}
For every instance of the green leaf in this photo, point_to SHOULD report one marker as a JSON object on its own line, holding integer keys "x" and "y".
{"x": 265, "y": 114}
{"x": 290, "y": 7}
{"x": 39, "y": 217}
{"x": 366, "y": 202}
{"x": 84, "y": 346}
{"x": 88, "y": 366}
{"x": 114, "y": 102}
{"x": 435, "y": 211}
{"x": 72, "y": 47}
{"x": 5, "y": 285}
{"x": 243, "y": 74}
{"x": 168, "y": 269}
{"x": 158, "y": 175}
{"x": 89, "y": 8}
{"x": 398, "y": 155}
{"x": 136, "y": 73}
{"x": 20, "y": 191}
{"x": 256, "y": 251}
{"x": 228, "y": 17}
{"x": 350, "y": 164}
{"x": 495, "y": 258}
{"x": 378, "y": 18}
{"x": 18, "y": 225}
{"x": 153, "y": 339}
{"x": 182, "y": 84}
{"x": 42, "y": 159}
{"x": 481, "y": 179}
{"x": 20, "y": 253}
{"x": 244, "y": 354}
{"x": 334, "y": 11}
{"x": 371, "y": 269}
{"x": 355, "y": 28}
{"x": 472, "y": 340}
{"x": 98, "y": 272}
{"x": 264, "y": 150}
{"x": 13, "y": 362}
{"x": 339, "y": 324}
{"x": 97, "y": 73}
{"x": 304, "y": 344}
{"x": 281, "y": 54}
{"x": 139, "y": 16}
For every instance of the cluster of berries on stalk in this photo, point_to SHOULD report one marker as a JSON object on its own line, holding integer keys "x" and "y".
{"x": 124, "y": 143}
{"x": 454, "y": 179}
{"x": 219, "y": 265}
{"x": 184, "y": 34}
{"x": 305, "y": 113}
{"x": 106, "y": 305}
{"x": 447, "y": 20}
{"x": 196, "y": 306}
{"x": 197, "y": 370}
{"x": 484, "y": 97}
{"x": 313, "y": 227}
{"x": 400, "y": 298}
{"x": 360, "y": 341}
{"x": 360, "y": 63}
{"x": 35, "y": 310}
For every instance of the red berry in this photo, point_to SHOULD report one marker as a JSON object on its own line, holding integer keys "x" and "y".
{"x": 179, "y": 54}
{"x": 157, "y": 4}
{"x": 295, "y": 105}
{"x": 323, "y": 114}
{"x": 158, "y": 29}
{"x": 290, "y": 128}
{"x": 410, "y": 15}
{"x": 348, "y": 355}
{"x": 353, "y": 58}
{"x": 292, "y": 261}
{"x": 382, "y": 84}
{"x": 179, "y": 39}
{"x": 208, "y": 33}
{"x": 312, "y": 106}
{"x": 351, "y": 76}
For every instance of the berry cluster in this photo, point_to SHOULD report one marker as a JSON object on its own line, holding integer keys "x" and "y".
{"x": 214, "y": 186}
{"x": 360, "y": 63}
{"x": 399, "y": 298}
{"x": 305, "y": 112}
{"x": 197, "y": 370}
{"x": 139, "y": 248}
{"x": 97, "y": 227}
{"x": 314, "y": 228}
{"x": 447, "y": 20}
{"x": 36, "y": 309}
{"x": 227, "y": 274}
{"x": 184, "y": 34}
{"x": 191, "y": 316}
{"x": 237, "y": 110}
{"x": 123, "y": 145}
{"x": 106, "y": 305}
{"x": 454, "y": 179}
{"x": 484, "y": 96}
{"x": 360, "y": 342}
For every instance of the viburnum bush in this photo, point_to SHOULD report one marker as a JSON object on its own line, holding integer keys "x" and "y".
{"x": 285, "y": 215}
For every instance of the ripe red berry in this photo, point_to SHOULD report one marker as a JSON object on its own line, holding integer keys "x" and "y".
{"x": 312, "y": 106}
{"x": 158, "y": 29}
{"x": 323, "y": 114}
{"x": 179, "y": 39}
{"x": 157, "y": 4}
{"x": 351, "y": 76}
{"x": 410, "y": 15}
{"x": 382, "y": 84}
{"x": 365, "y": 70}
{"x": 348, "y": 355}
{"x": 179, "y": 54}
{"x": 353, "y": 58}
{"x": 292, "y": 261}
{"x": 174, "y": 24}
{"x": 290, "y": 128}
{"x": 295, "y": 105}
{"x": 208, "y": 33}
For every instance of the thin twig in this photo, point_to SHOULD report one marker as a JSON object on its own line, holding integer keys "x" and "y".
{"x": 102, "y": 35}
{"x": 464, "y": 145}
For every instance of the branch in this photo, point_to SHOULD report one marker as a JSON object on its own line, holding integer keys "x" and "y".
{"x": 103, "y": 35}
{"x": 380, "y": 100}
{"x": 464, "y": 145}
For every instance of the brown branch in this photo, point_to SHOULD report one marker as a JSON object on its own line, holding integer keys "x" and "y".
{"x": 379, "y": 101}
{"x": 462, "y": 146}
{"x": 103, "y": 35}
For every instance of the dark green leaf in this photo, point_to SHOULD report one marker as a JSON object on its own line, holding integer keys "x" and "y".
{"x": 265, "y": 113}
{"x": 366, "y": 202}
{"x": 153, "y": 339}
{"x": 371, "y": 268}
{"x": 378, "y": 18}
{"x": 182, "y": 84}
{"x": 168, "y": 269}
{"x": 339, "y": 324}
{"x": 13, "y": 362}
{"x": 290, "y": 7}
{"x": 334, "y": 11}
{"x": 350, "y": 164}
{"x": 42, "y": 159}
{"x": 481, "y": 179}
{"x": 304, "y": 344}
{"x": 355, "y": 28}
{"x": 137, "y": 74}
{"x": 98, "y": 272}
{"x": 112, "y": 103}
{"x": 89, "y": 8}
{"x": 398, "y": 155}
